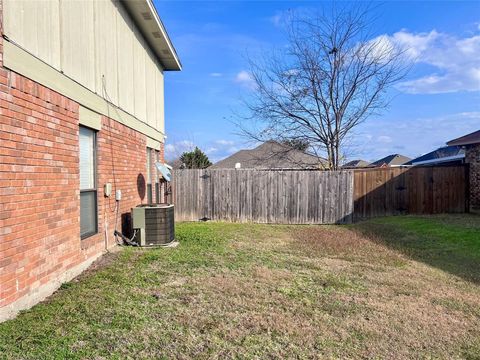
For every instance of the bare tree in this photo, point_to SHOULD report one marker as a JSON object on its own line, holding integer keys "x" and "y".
{"x": 332, "y": 76}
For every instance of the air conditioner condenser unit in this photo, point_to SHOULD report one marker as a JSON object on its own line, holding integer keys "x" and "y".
{"x": 154, "y": 224}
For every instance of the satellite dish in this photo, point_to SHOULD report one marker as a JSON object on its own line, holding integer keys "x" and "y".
{"x": 164, "y": 170}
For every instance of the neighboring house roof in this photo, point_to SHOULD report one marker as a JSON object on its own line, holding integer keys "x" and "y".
{"x": 390, "y": 160}
{"x": 355, "y": 164}
{"x": 469, "y": 139}
{"x": 147, "y": 20}
{"x": 440, "y": 155}
{"x": 270, "y": 155}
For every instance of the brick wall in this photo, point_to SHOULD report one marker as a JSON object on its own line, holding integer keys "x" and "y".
{"x": 472, "y": 157}
{"x": 40, "y": 242}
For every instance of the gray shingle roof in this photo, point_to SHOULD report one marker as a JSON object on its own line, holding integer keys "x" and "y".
{"x": 270, "y": 155}
{"x": 391, "y": 160}
{"x": 355, "y": 164}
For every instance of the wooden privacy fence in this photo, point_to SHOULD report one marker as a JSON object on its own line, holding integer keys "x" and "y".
{"x": 415, "y": 190}
{"x": 317, "y": 197}
{"x": 280, "y": 197}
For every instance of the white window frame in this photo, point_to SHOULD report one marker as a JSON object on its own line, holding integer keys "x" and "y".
{"x": 91, "y": 190}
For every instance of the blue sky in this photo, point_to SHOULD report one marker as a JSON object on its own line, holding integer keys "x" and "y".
{"x": 438, "y": 101}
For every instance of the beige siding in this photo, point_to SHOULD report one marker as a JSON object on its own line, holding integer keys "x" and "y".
{"x": 150, "y": 67}
{"x": 125, "y": 36}
{"x": 96, "y": 44}
{"x": 159, "y": 105}
{"x": 140, "y": 78}
{"x": 77, "y": 41}
{"x": 106, "y": 82}
{"x": 35, "y": 26}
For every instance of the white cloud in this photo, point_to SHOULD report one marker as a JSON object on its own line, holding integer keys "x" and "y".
{"x": 215, "y": 149}
{"x": 244, "y": 78}
{"x": 175, "y": 149}
{"x": 276, "y": 19}
{"x": 232, "y": 149}
{"x": 415, "y": 45}
{"x": 384, "y": 139}
{"x": 411, "y": 137}
{"x": 456, "y": 61}
{"x": 224, "y": 142}
{"x": 169, "y": 148}
{"x": 216, "y": 74}
{"x": 211, "y": 150}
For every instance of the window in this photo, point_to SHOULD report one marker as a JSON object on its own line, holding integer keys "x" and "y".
{"x": 149, "y": 176}
{"x": 88, "y": 187}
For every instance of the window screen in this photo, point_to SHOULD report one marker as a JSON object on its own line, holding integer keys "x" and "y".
{"x": 87, "y": 154}
{"x": 88, "y": 189}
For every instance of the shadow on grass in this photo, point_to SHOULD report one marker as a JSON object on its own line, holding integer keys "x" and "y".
{"x": 448, "y": 242}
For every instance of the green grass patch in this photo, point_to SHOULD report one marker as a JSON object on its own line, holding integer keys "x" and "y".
{"x": 259, "y": 291}
{"x": 450, "y": 243}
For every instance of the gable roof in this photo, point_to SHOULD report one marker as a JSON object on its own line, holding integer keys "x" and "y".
{"x": 448, "y": 153}
{"x": 469, "y": 139}
{"x": 390, "y": 160}
{"x": 355, "y": 164}
{"x": 270, "y": 155}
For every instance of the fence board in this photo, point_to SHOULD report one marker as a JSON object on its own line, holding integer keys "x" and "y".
{"x": 281, "y": 197}
{"x": 315, "y": 197}
{"x": 416, "y": 190}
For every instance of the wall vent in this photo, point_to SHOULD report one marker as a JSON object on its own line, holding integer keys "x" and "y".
{"x": 156, "y": 34}
{"x": 147, "y": 15}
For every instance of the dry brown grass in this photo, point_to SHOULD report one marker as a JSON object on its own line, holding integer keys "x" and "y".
{"x": 255, "y": 291}
{"x": 408, "y": 307}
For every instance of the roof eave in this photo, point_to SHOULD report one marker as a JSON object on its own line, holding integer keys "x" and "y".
{"x": 146, "y": 18}
{"x": 469, "y": 139}
{"x": 440, "y": 160}
{"x": 461, "y": 143}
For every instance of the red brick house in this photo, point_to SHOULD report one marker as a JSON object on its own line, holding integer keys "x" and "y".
{"x": 81, "y": 110}
{"x": 471, "y": 142}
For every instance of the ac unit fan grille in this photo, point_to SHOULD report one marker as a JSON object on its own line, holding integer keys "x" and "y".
{"x": 159, "y": 225}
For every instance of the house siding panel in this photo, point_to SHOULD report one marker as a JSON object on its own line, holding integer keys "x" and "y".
{"x": 139, "y": 73}
{"x": 150, "y": 92}
{"x": 35, "y": 26}
{"x": 106, "y": 49}
{"x": 160, "y": 99}
{"x": 126, "y": 43}
{"x": 77, "y": 41}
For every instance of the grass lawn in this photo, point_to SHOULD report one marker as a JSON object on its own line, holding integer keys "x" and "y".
{"x": 398, "y": 287}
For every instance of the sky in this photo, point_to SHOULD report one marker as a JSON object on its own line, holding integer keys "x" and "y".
{"x": 438, "y": 100}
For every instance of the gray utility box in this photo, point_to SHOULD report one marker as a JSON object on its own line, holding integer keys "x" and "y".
{"x": 154, "y": 224}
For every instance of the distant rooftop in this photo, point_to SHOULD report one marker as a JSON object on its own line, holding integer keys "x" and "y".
{"x": 355, "y": 164}
{"x": 270, "y": 155}
{"x": 391, "y": 160}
